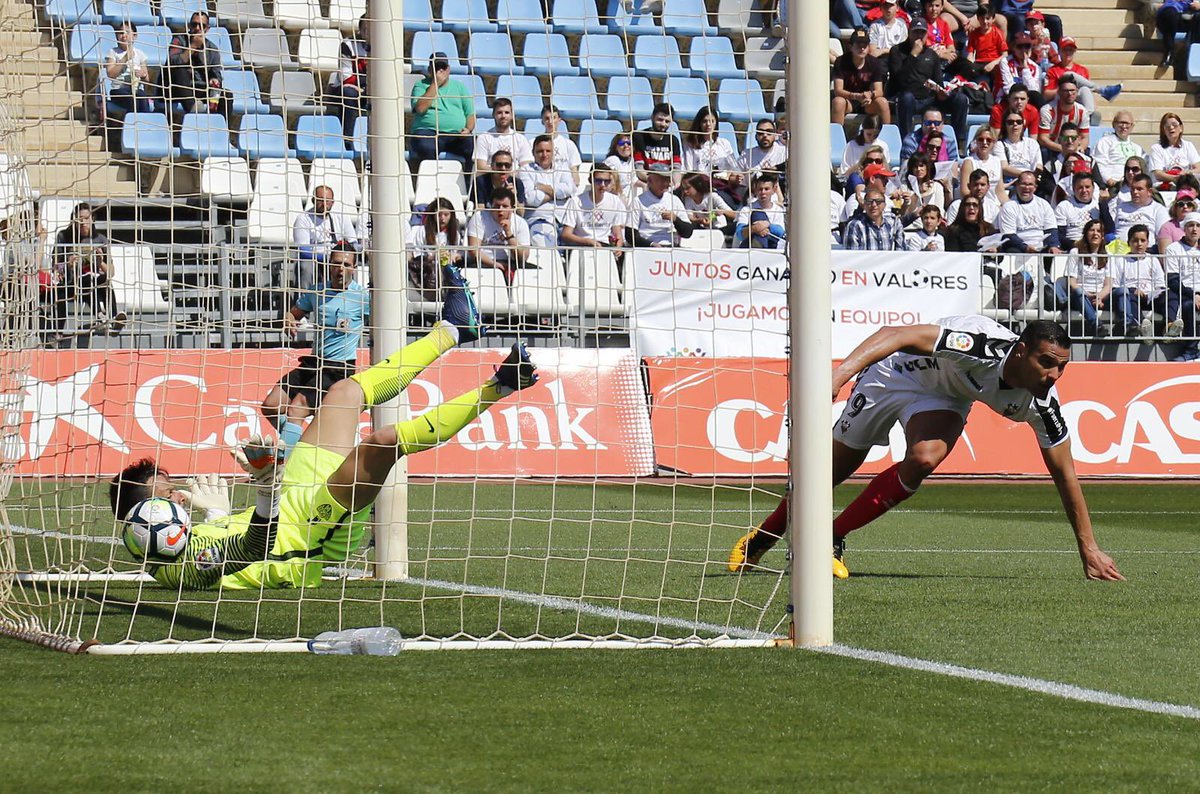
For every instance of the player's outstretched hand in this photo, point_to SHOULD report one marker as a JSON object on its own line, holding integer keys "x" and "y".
{"x": 260, "y": 458}
{"x": 209, "y": 493}
{"x": 1098, "y": 565}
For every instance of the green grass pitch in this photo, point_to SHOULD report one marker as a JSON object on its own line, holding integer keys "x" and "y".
{"x": 984, "y": 576}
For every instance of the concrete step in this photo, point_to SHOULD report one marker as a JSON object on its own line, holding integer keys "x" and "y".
{"x": 56, "y": 135}
{"x": 80, "y": 180}
{"x": 1091, "y": 43}
{"x": 1156, "y": 87}
{"x": 69, "y": 157}
{"x": 1111, "y": 19}
{"x": 1127, "y": 73}
{"x": 1151, "y": 116}
{"x": 19, "y": 41}
{"x": 1087, "y": 26}
{"x": 1147, "y": 57}
{"x": 1061, "y": 7}
{"x": 38, "y": 61}
{"x": 12, "y": 83}
{"x": 48, "y": 104}
{"x": 1132, "y": 99}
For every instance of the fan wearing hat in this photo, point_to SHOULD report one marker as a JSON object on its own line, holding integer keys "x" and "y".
{"x": 889, "y": 30}
{"x": 1087, "y": 89}
{"x": 858, "y": 82}
{"x": 443, "y": 116}
{"x": 1183, "y": 205}
{"x": 917, "y": 82}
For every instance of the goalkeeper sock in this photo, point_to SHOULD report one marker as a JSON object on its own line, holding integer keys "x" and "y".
{"x": 290, "y": 436}
{"x": 446, "y": 420}
{"x": 882, "y": 494}
{"x": 776, "y": 523}
{"x": 389, "y": 377}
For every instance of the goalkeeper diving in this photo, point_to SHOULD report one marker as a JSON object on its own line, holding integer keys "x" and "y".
{"x": 310, "y": 512}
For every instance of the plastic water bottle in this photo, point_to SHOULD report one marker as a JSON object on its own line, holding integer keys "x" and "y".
{"x": 374, "y": 641}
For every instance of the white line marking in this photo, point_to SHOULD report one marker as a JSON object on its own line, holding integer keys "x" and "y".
{"x": 1052, "y": 688}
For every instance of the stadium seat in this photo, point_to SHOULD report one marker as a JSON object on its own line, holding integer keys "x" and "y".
{"x": 491, "y": 290}
{"x": 538, "y": 288}
{"x": 1193, "y": 63}
{"x": 779, "y": 93}
{"x": 593, "y": 283}
{"x": 726, "y": 131}
{"x": 321, "y": 136}
{"x": 136, "y": 286}
{"x": 68, "y": 13}
{"x": 484, "y": 124}
{"x": 577, "y": 17}
{"x": 418, "y": 15}
{"x": 603, "y": 55}
{"x": 219, "y": 37}
{"x": 89, "y": 44}
{"x": 267, "y": 49}
{"x": 360, "y": 144}
{"x": 521, "y": 16}
{"x": 204, "y": 135}
{"x": 344, "y": 14}
{"x": 492, "y": 53}
{"x": 226, "y": 180}
{"x": 147, "y": 136}
{"x": 687, "y": 18}
{"x": 594, "y": 137}
{"x": 474, "y": 84}
{"x": 440, "y": 179}
{"x": 278, "y": 193}
{"x": 318, "y": 50}
{"x": 658, "y": 56}
{"x": 547, "y": 53}
{"x": 646, "y": 124}
{"x": 525, "y": 91}
{"x": 764, "y": 57}
{"x": 264, "y": 137}
{"x": 342, "y": 176}
{"x": 713, "y": 58}
{"x": 240, "y": 15}
{"x": 704, "y": 240}
{"x": 534, "y": 127}
{"x": 245, "y": 97}
{"x": 890, "y": 134}
{"x": 293, "y": 15}
{"x": 837, "y": 144}
{"x": 740, "y": 100}
{"x": 1094, "y": 133}
{"x": 139, "y": 12}
{"x": 467, "y": 15}
{"x": 635, "y": 23}
{"x": 294, "y": 93}
{"x": 177, "y": 13}
{"x": 734, "y": 17}
{"x": 686, "y": 95}
{"x": 154, "y": 41}
{"x": 426, "y": 43}
{"x": 629, "y": 98}
{"x": 576, "y": 98}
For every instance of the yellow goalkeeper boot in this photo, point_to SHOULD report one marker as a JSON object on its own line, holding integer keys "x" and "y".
{"x": 840, "y": 571}
{"x": 749, "y": 549}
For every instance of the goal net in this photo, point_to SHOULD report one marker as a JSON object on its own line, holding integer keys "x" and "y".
{"x": 172, "y": 221}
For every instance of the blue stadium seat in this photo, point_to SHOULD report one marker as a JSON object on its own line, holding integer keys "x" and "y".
{"x": 576, "y": 98}
{"x": 426, "y": 43}
{"x": 67, "y": 13}
{"x": 686, "y": 95}
{"x": 484, "y": 124}
{"x": 837, "y": 144}
{"x": 89, "y": 44}
{"x": 594, "y": 137}
{"x": 658, "y": 56}
{"x": 1193, "y": 63}
{"x": 204, "y": 135}
{"x": 321, "y": 136}
{"x": 534, "y": 128}
{"x": 359, "y": 144}
{"x": 638, "y": 23}
{"x": 147, "y": 136}
{"x": 890, "y": 134}
{"x": 245, "y": 96}
{"x": 522, "y": 16}
{"x": 576, "y": 16}
{"x": 474, "y": 84}
{"x": 139, "y": 12}
{"x": 978, "y": 118}
{"x": 646, "y": 124}
{"x": 219, "y": 38}
{"x": 525, "y": 92}
{"x": 603, "y": 55}
{"x": 418, "y": 15}
{"x": 492, "y": 53}
{"x": 713, "y": 58}
{"x": 687, "y": 18}
{"x": 467, "y": 15}
{"x": 741, "y": 100}
{"x": 629, "y": 98}
{"x": 726, "y": 131}
{"x": 1096, "y": 133}
{"x": 154, "y": 41}
{"x": 264, "y": 136}
{"x": 547, "y": 53}
{"x": 177, "y": 13}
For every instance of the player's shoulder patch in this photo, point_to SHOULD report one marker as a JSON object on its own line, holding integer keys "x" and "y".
{"x": 973, "y": 344}
{"x": 960, "y": 341}
{"x": 207, "y": 559}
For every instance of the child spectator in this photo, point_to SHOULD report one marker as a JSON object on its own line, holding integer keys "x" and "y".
{"x": 887, "y": 32}
{"x": 928, "y": 237}
{"x": 986, "y": 45}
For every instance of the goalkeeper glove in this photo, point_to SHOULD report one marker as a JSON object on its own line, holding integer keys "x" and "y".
{"x": 261, "y": 458}
{"x": 208, "y": 493}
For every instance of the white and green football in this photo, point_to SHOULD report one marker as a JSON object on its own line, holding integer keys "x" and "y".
{"x": 156, "y": 528}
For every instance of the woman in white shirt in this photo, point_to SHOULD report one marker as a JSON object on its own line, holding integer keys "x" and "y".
{"x": 1021, "y": 151}
{"x": 984, "y": 157}
{"x": 921, "y": 181}
{"x": 620, "y": 161}
{"x": 128, "y": 73}
{"x": 868, "y": 136}
{"x": 1172, "y": 156}
{"x": 1088, "y": 283}
{"x": 437, "y": 242}
{"x": 705, "y": 207}
{"x": 704, "y": 151}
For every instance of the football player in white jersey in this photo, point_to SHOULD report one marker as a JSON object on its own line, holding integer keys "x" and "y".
{"x": 928, "y": 377}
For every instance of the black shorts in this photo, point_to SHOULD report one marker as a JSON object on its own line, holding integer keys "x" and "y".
{"x": 313, "y": 377}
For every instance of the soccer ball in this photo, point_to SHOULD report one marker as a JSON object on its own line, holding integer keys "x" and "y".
{"x": 157, "y": 528}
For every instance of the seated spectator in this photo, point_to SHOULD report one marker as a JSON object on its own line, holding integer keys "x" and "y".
{"x": 1078, "y": 210}
{"x": 1172, "y": 156}
{"x": 443, "y": 117}
{"x": 348, "y": 85}
{"x": 901, "y": 201}
{"x": 1045, "y": 47}
{"x": 979, "y": 188}
{"x": 1139, "y": 286}
{"x": 195, "y": 80}
{"x": 657, "y": 145}
{"x": 1172, "y": 231}
{"x": 1071, "y": 161}
{"x": 963, "y": 16}
{"x": 1140, "y": 209}
{"x": 1183, "y": 286}
{"x": 501, "y": 173}
{"x": 1169, "y": 19}
{"x": 1017, "y": 12}
{"x": 546, "y": 192}
{"x": 923, "y": 182}
{"x": 768, "y": 154}
{"x": 126, "y": 68}
{"x": 765, "y": 188}
{"x": 928, "y": 237}
{"x": 1088, "y": 283}
{"x": 938, "y": 37}
{"x": 872, "y": 155}
{"x": 704, "y": 150}
{"x": 916, "y": 82}
{"x": 968, "y": 228}
{"x": 437, "y": 242}
{"x": 316, "y": 232}
{"x": 760, "y": 232}
{"x": 497, "y": 236}
{"x": 868, "y": 136}
{"x": 1027, "y": 221}
{"x": 658, "y": 216}
{"x": 842, "y": 14}
{"x": 872, "y": 229}
{"x": 503, "y": 137}
{"x": 706, "y": 209}
{"x": 858, "y": 83}
{"x": 1021, "y": 152}
{"x": 84, "y": 271}
{"x": 596, "y": 218}
{"x": 566, "y": 154}
{"x": 983, "y": 157}
{"x": 1015, "y": 101}
{"x": 986, "y": 44}
{"x": 888, "y": 31}
{"x": 620, "y": 161}
{"x": 1067, "y": 65}
{"x": 1063, "y": 110}
{"x": 1019, "y": 68}
{"x": 917, "y": 140}
{"x": 1134, "y": 167}
{"x": 1113, "y": 150}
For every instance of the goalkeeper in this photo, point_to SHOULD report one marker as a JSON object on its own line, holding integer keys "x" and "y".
{"x": 310, "y": 512}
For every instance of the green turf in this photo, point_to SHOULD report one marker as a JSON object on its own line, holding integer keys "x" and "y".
{"x": 982, "y": 576}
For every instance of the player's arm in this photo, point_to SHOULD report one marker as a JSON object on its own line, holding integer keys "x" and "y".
{"x": 915, "y": 339}
{"x": 1061, "y": 466}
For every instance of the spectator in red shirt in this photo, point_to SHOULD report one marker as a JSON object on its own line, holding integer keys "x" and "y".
{"x": 938, "y": 38}
{"x": 1067, "y": 65}
{"x": 1045, "y": 51}
{"x": 1055, "y": 114}
{"x": 858, "y": 82}
{"x": 985, "y": 44}
{"x": 1017, "y": 101}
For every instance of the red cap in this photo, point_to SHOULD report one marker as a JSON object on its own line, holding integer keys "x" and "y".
{"x": 1035, "y": 15}
{"x": 1080, "y": 167}
{"x": 1067, "y": 41}
{"x": 875, "y": 169}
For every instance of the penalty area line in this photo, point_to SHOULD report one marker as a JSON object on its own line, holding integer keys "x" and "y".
{"x": 1038, "y": 685}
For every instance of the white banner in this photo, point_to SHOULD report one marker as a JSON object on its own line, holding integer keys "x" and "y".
{"x": 734, "y": 302}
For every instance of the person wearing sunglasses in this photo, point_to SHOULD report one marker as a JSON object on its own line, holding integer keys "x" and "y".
{"x": 1078, "y": 209}
{"x": 1073, "y": 160}
{"x": 968, "y": 227}
{"x": 1019, "y": 68}
{"x": 194, "y": 81}
{"x": 932, "y": 124}
{"x": 1065, "y": 109}
{"x": 597, "y": 218}
{"x": 1021, "y": 151}
{"x": 1113, "y": 149}
{"x": 874, "y": 229}
{"x": 853, "y": 177}
{"x": 620, "y": 161}
{"x": 983, "y": 157}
